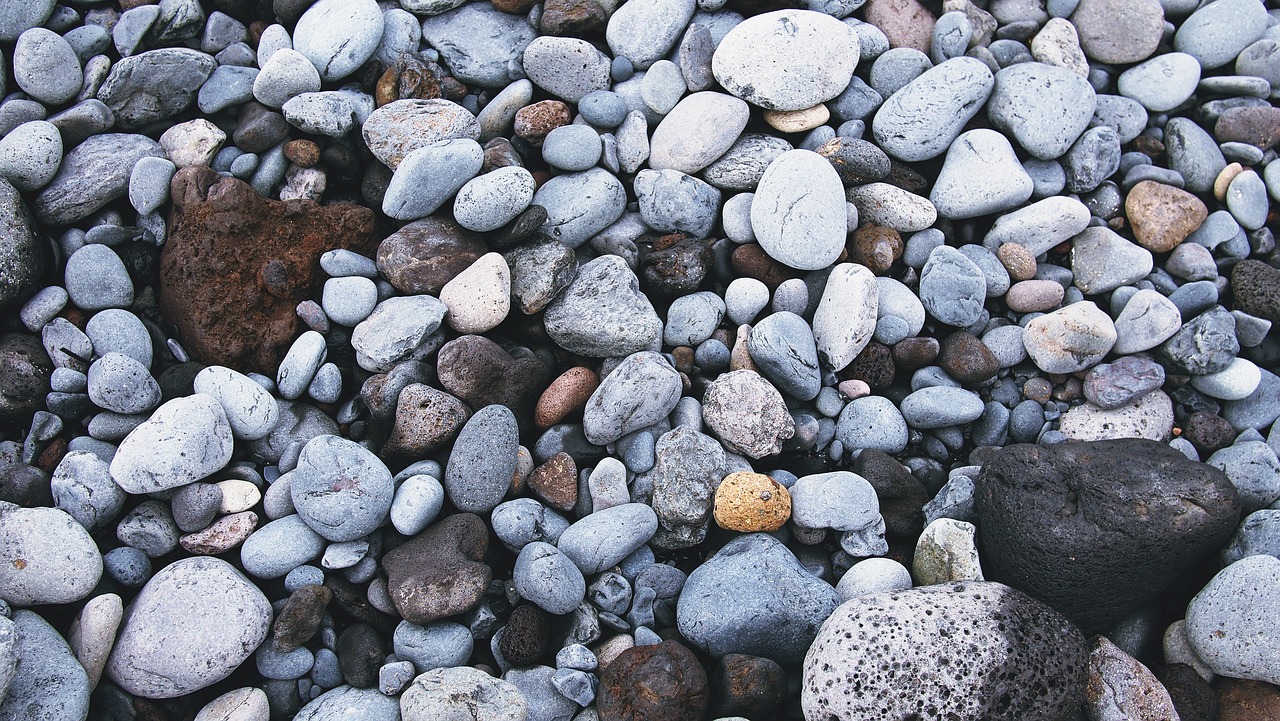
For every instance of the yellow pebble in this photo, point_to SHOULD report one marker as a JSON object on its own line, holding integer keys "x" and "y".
{"x": 1223, "y": 181}
{"x": 751, "y": 502}
{"x": 798, "y": 121}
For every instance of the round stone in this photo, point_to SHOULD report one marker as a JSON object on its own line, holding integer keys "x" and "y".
{"x": 786, "y": 59}
{"x": 751, "y": 502}
{"x": 340, "y": 488}
{"x": 798, "y": 214}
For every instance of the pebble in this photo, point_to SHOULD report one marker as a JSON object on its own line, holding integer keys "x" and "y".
{"x": 940, "y": 406}
{"x": 698, "y": 130}
{"x": 952, "y": 288}
{"x": 449, "y": 692}
{"x": 338, "y": 37}
{"x": 641, "y": 391}
{"x": 398, "y": 128}
{"x": 1161, "y": 83}
{"x": 224, "y": 617}
{"x": 647, "y": 31}
{"x": 747, "y": 414}
{"x": 798, "y": 212}
{"x": 1043, "y": 107}
{"x": 808, "y": 59}
{"x": 1112, "y": 385}
{"x": 602, "y": 313}
{"x": 47, "y": 681}
{"x": 1131, "y": 688}
{"x": 921, "y": 120}
{"x": 1227, "y": 621}
{"x": 774, "y": 613}
{"x": 30, "y": 155}
{"x": 671, "y": 202}
{"x": 483, "y": 460}
{"x": 1215, "y": 36}
{"x": 395, "y": 328}
{"x": 1019, "y": 626}
{"x": 980, "y": 175}
{"x": 54, "y": 560}
{"x": 1071, "y": 339}
{"x": 579, "y": 205}
{"x": 1102, "y": 261}
{"x": 344, "y": 700}
{"x": 46, "y": 67}
{"x": 428, "y": 176}
{"x": 602, "y": 539}
{"x": 184, "y": 440}
{"x": 546, "y": 577}
{"x": 568, "y": 68}
{"x": 1119, "y": 33}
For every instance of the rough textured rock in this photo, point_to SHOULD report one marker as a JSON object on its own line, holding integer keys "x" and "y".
{"x": 664, "y": 681}
{"x": 441, "y": 571}
{"x": 22, "y": 256}
{"x": 1096, "y": 529}
{"x": 236, "y": 265}
{"x": 960, "y": 650}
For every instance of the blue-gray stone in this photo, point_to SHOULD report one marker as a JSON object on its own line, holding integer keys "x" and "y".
{"x": 952, "y": 287}
{"x": 671, "y": 201}
{"x": 154, "y": 85}
{"x": 341, "y": 489}
{"x": 483, "y": 460}
{"x": 546, "y": 577}
{"x": 279, "y": 547}
{"x": 941, "y": 406}
{"x": 442, "y": 644}
{"x": 782, "y": 346}
{"x": 604, "y": 538}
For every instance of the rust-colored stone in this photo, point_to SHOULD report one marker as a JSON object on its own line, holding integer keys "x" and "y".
{"x": 572, "y": 18}
{"x": 1242, "y": 700}
{"x": 1256, "y": 126}
{"x": 302, "y": 152}
{"x": 300, "y": 618}
{"x": 876, "y": 247}
{"x": 440, "y": 572}
{"x": 566, "y": 395}
{"x": 1163, "y": 216}
{"x": 751, "y": 502}
{"x": 533, "y": 122}
{"x": 556, "y": 482}
{"x": 236, "y": 265}
{"x": 751, "y": 260}
{"x": 426, "y": 254}
{"x": 664, "y": 681}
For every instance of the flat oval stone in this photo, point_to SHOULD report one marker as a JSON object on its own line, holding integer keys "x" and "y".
{"x": 92, "y": 174}
{"x": 398, "y": 128}
{"x": 1043, "y": 107}
{"x": 1215, "y": 35}
{"x": 698, "y": 130}
{"x": 482, "y": 464}
{"x": 189, "y": 627}
{"x": 568, "y": 68}
{"x": 798, "y": 213}
{"x": 48, "y": 557}
{"x": 489, "y": 201}
{"x": 580, "y": 205}
{"x": 952, "y": 287}
{"x": 1119, "y": 32}
{"x": 154, "y": 85}
{"x": 1147, "y": 320}
{"x": 1161, "y": 83}
{"x": 478, "y": 42}
{"x": 340, "y": 488}
{"x": 941, "y": 406}
{"x": 782, "y": 346}
{"x": 645, "y": 31}
{"x": 183, "y": 441}
{"x": 920, "y": 120}
{"x": 888, "y": 205}
{"x": 604, "y": 538}
{"x": 45, "y": 679}
{"x": 786, "y": 59}
{"x": 338, "y": 36}
{"x": 46, "y": 67}
{"x": 845, "y": 319}
{"x": 428, "y": 176}
{"x": 1228, "y": 621}
{"x": 1040, "y": 226}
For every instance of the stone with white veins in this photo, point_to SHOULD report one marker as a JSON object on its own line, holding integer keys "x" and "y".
{"x": 698, "y": 130}
{"x": 786, "y": 59}
{"x": 1043, "y": 107}
{"x": 338, "y": 36}
{"x": 1040, "y": 226}
{"x": 1070, "y": 339}
{"x": 184, "y": 440}
{"x": 981, "y": 175}
{"x": 479, "y": 297}
{"x": 644, "y": 31}
{"x": 46, "y": 556}
{"x": 845, "y": 318}
{"x": 192, "y": 624}
{"x": 920, "y": 120}
{"x": 888, "y": 205}
{"x": 798, "y": 214}
{"x": 641, "y": 391}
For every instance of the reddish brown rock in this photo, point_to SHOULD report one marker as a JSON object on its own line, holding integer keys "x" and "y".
{"x": 533, "y": 122}
{"x": 481, "y": 373}
{"x": 300, "y": 618}
{"x": 440, "y": 572}
{"x": 303, "y": 153}
{"x": 912, "y": 353}
{"x": 236, "y": 265}
{"x": 425, "y": 254}
{"x": 556, "y": 482}
{"x": 1241, "y": 700}
{"x": 747, "y": 686}
{"x": 751, "y": 260}
{"x": 517, "y": 7}
{"x": 876, "y": 247}
{"x": 1162, "y": 216}
{"x": 968, "y": 359}
{"x": 426, "y": 421}
{"x": 643, "y": 683}
{"x": 566, "y": 395}
{"x": 906, "y": 23}
{"x": 1255, "y": 126}
{"x": 874, "y": 365}
{"x": 572, "y": 18}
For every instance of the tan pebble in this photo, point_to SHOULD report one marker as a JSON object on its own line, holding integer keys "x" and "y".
{"x": 1034, "y": 296}
{"x": 238, "y": 495}
{"x": 751, "y": 502}
{"x": 797, "y": 121}
{"x": 222, "y": 535}
{"x": 610, "y": 649}
{"x": 1162, "y": 216}
{"x": 1019, "y": 261}
{"x": 524, "y": 468}
{"x": 739, "y": 356}
{"x": 566, "y": 395}
{"x": 1223, "y": 181}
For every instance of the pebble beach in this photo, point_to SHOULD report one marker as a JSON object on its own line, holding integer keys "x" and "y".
{"x": 639, "y": 360}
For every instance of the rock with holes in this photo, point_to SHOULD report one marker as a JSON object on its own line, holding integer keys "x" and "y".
{"x": 960, "y": 650}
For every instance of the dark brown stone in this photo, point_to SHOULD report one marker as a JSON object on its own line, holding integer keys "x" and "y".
{"x": 426, "y": 254}
{"x": 751, "y": 260}
{"x": 259, "y": 128}
{"x": 481, "y": 373}
{"x": 1192, "y": 696}
{"x": 500, "y": 153}
{"x": 1097, "y": 529}
{"x": 912, "y": 353}
{"x": 906, "y": 178}
{"x": 1242, "y": 700}
{"x": 300, "y": 618}
{"x": 874, "y": 365}
{"x": 236, "y": 265}
{"x": 381, "y": 394}
{"x": 361, "y": 653}
{"x": 1256, "y": 287}
{"x": 967, "y": 359}
{"x": 556, "y": 482}
{"x": 1208, "y": 432}
{"x": 24, "y": 485}
{"x": 528, "y": 635}
{"x": 533, "y": 122}
{"x": 902, "y": 496}
{"x": 572, "y": 18}
{"x": 876, "y": 247}
{"x": 411, "y": 77}
{"x": 426, "y": 421}
{"x": 24, "y": 377}
{"x": 353, "y": 600}
{"x": 747, "y": 686}
{"x": 524, "y": 227}
{"x": 856, "y": 161}
{"x": 1258, "y": 126}
{"x": 644, "y": 683}
{"x": 440, "y": 572}
{"x": 302, "y": 152}
{"x": 676, "y": 265}
{"x": 517, "y": 7}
